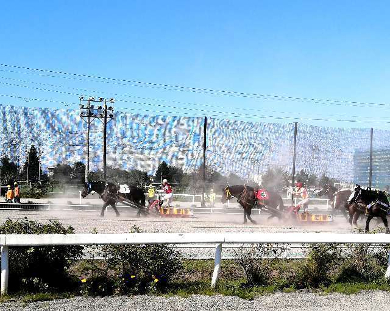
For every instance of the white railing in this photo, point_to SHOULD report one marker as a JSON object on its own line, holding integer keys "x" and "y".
{"x": 16, "y": 240}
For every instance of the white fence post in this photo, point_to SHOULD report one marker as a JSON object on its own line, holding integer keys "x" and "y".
{"x": 4, "y": 270}
{"x": 217, "y": 265}
{"x": 387, "y": 274}
{"x": 80, "y": 197}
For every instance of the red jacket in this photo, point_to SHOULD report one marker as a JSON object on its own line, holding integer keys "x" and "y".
{"x": 167, "y": 188}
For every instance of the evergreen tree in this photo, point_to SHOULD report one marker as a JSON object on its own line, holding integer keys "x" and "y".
{"x": 32, "y": 165}
{"x": 162, "y": 172}
{"x": 8, "y": 170}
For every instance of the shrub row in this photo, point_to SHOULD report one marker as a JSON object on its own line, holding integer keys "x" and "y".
{"x": 123, "y": 269}
{"x": 120, "y": 269}
{"x": 325, "y": 264}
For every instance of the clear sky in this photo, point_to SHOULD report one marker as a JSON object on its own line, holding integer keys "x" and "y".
{"x": 336, "y": 50}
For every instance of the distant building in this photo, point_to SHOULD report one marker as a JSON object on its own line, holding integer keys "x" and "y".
{"x": 380, "y": 168}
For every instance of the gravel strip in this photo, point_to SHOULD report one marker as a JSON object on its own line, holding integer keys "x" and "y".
{"x": 279, "y": 301}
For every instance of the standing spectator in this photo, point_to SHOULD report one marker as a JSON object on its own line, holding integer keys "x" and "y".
{"x": 16, "y": 193}
{"x": 9, "y": 195}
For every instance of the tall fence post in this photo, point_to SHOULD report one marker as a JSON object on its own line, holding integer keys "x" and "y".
{"x": 217, "y": 265}
{"x": 294, "y": 159}
{"x": 370, "y": 173}
{"x": 4, "y": 270}
{"x": 203, "y": 200}
{"x": 387, "y": 274}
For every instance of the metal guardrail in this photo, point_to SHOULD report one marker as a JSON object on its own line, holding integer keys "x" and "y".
{"x": 17, "y": 240}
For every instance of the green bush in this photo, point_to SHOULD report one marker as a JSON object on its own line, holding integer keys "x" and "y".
{"x": 319, "y": 268}
{"x": 33, "y": 193}
{"x": 260, "y": 263}
{"x": 131, "y": 269}
{"x": 34, "y": 269}
{"x": 364, "y": 263}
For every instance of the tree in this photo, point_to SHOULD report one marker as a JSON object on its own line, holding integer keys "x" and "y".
{"x": 9, "y": 171}
{"x": 172, "y": 173}
{"x": 275, "y": 179}
{"x": 162, "y": 171}
{"x": 62, "y": 173}
{"x": 32, "y": 166}
{"x": 78, "y": 172}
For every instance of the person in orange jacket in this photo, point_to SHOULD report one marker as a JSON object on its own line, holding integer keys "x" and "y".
{"x": 9, "y": 195}
{"x": 16, "y": 193}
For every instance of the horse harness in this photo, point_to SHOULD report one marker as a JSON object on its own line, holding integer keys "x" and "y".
{"x": 383, "y": 206}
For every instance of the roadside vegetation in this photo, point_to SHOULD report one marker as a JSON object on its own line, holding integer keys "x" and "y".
{"x": 44, "y": 273}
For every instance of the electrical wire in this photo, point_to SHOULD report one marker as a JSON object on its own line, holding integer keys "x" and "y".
{"x": 213, "y": 113}
{"x": 195, "y": 89}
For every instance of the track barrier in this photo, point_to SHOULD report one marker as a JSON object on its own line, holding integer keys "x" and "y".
{"x": 17, "y": 240}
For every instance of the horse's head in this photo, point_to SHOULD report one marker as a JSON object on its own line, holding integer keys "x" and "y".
{"x": 87, "y": 189}
{"x": 226, "y": 194}
{"x": 355, "y": 195}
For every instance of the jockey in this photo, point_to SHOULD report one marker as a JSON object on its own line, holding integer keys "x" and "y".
{"x": 168, "y": 196}
{"x": 151, "y": 193}
{"x": 302, "y": 192}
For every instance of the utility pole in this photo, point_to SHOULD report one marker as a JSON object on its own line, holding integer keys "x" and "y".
{"x": 89, "y": 113}
{"x": 370, "y": 173}
{"x": 294, "y": 159}
{"x": 106, "y": 117}
{"x": 203, "y": 203}
{"x": 28, "y": 166}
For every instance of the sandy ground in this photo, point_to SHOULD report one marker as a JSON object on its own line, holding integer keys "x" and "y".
{"x": 87, "y": 221}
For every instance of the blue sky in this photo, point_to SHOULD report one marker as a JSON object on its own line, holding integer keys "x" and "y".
{"x": 313, "y": 49}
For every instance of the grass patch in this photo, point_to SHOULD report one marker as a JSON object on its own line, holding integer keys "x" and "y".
{"x": 44, "y": 297}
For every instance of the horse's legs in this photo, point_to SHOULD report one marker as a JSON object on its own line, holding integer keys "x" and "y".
{"x": 385, "y": 222}
{"x": 369, "y": 217}
{"x": 245, "y": 220}
{"x": 115, "y": 209}
{"x": 355, "y": 218}
{"x": 350, "y": 213}
{"x": 103, "y": 208}
{"x": 248, "y": 214}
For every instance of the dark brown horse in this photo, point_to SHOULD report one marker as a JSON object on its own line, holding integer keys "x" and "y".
{"x": 110, "y": 195}
{"x": 374, "y": 202}
{"x": 246, "y": 197}
{"x": 337, "y": 199}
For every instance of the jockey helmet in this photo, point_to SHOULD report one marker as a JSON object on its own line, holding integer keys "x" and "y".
{"x": 165, "y": 181}
{"x": 9, "y": 186}
{"x": 299, "y": 184}
{"x": 15, "y": 183}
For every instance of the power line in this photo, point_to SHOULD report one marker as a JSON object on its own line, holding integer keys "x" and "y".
{"x": 196, "y": 89}
{"x": 214, "y": 113}
{"x": 216, "y": 116}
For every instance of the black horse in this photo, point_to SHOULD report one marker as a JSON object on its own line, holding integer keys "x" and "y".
{"x": 337, "y": 199}
{"x": 246, "y": 197}
{"x": 110, "y": 195}
{"x": 375, "y": 203}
